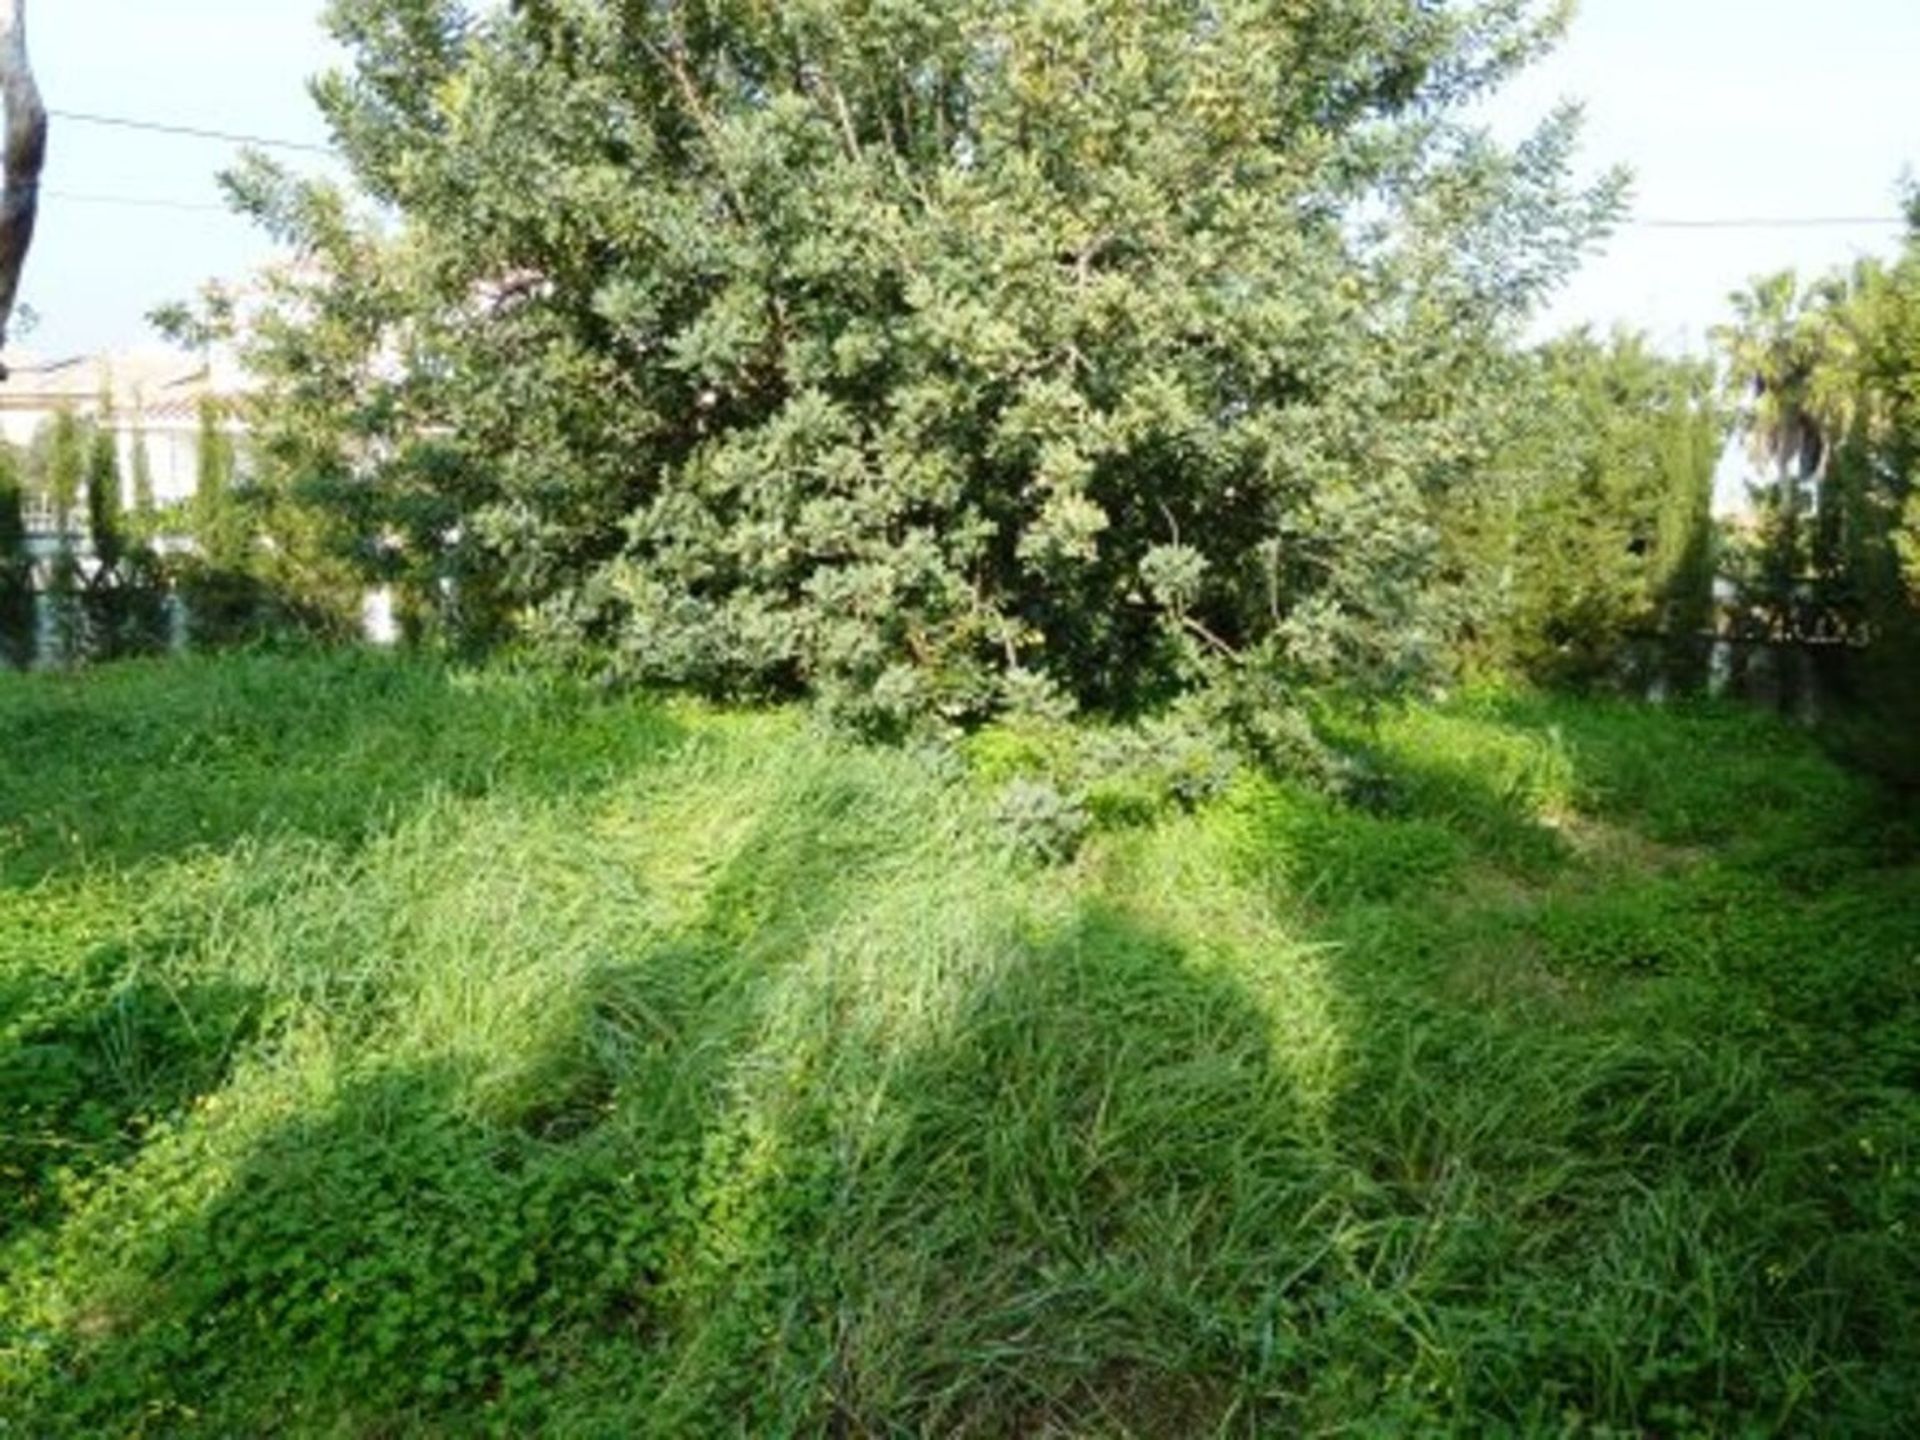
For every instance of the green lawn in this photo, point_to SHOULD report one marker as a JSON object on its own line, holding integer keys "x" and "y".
{"x": 386, "y": 1050}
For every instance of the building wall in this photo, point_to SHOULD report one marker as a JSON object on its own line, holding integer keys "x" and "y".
{"x": 173, "y": 457}
{"x": 172, "y": 446}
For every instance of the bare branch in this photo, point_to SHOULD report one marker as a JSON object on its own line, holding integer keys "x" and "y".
{"x": 1194, "y": 627}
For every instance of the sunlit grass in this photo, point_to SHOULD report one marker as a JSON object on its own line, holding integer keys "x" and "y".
{"x": 384, "y": 1050}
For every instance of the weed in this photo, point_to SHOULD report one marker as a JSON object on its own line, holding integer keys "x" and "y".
{"x": 393, "y": 1050}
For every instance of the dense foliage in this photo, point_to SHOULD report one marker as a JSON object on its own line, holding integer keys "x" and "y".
{"x": 1585, "y": 549}
{"x": 392, "y": 1052}
{"x": 917, "y": 355}
{"x": 1832, "y": 375}
{"x": 96, "y": 571}
{"x": 16, "y": 566}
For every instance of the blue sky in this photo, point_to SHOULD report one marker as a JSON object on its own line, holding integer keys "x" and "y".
{"x": 1723, "y": 108}
{"x": 98, "y": 268}
{"x": 1731, "y": 109}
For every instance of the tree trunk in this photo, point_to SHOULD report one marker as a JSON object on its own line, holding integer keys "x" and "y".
{"x": 26, "y": 152}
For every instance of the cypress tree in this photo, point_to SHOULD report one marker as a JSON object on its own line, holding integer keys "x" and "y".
{"x": 65, "y": 451}
{"x": 63, "y": 456}
{"x": 16, "y": 567}
{"x": 142, "y": 468}
{"x": 106, "y": 524}
{"x": 123, "y": 595}
{"x": 218, "y": 526}
{"x": 221, "y": 593}
{"x": 145, "y": 567}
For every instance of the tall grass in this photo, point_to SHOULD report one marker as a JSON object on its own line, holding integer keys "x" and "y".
{"x": 388, "y": 1050}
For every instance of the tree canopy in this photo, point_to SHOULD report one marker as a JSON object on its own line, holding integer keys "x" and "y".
{"x": 914, "y": 355}
{"x": 1829, "y": 375}
{"x": 1585, "y": 546}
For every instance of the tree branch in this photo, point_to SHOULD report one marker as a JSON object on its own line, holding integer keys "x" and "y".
{"x": 674, "y": 58}
{"x": 26, "y": 153}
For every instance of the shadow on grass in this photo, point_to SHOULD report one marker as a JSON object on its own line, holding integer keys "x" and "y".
{"x": 91, "y": 1060}
{"x": 1064, "y": 1182}
{"x": 409, "y": 1243}
{"x": 102, "y": 1034}
{"x": 144, "y": 761}
{"x": 1702, "y": 772}
{"x": 1096, "y": 1205}
{"x": 1091, "y": 1199}
{"x": 728, "y": 1255}
{"x": 1535, "y": 784}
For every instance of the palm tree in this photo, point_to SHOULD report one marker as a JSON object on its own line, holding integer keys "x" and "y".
{"x": 1773, "y": 357}
{"x": 1773, "y": 352}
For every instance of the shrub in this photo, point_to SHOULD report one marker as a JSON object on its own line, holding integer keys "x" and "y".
{"x": 1586, "y": 552}
{"x": 894, "y": 353}
{"x": 16, "y": 568}
{"x": 1059, "y": 780}
{"x": 1039, "y": 822}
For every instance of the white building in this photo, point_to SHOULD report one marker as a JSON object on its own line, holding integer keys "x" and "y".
{"x": 152, "y": 397}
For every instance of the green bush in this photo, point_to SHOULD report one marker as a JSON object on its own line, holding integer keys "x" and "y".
{"x": 17, "y": 611}
{"x": 861, "y": 351}
{"x": 1585, "y": 553}
{"x": 1040, "y": 822}
{"x": 1058, "y": 780}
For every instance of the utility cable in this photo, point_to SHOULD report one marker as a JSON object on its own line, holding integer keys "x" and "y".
{"x": 189, "y": 132}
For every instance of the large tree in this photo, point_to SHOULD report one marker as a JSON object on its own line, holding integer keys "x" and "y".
{"x": 26, "y": 149}
{"x": 913, "y": 352}
{"x": 1773, "y": 352}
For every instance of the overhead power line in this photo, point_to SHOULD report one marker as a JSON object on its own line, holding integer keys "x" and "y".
{"x": 138, "y": 202}
{"x": 235, "y": 137}
{"x": 189, "y": 132}
{"x": 1782, "y": 222}
{"x": 232, "y": 137}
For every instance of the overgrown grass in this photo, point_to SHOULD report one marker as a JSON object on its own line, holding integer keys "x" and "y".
{"x": 387, "y": 1051}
